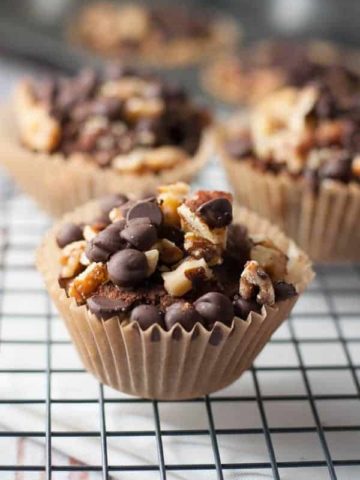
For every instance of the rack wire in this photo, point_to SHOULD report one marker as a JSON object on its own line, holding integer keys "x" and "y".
{"x": 294, "y": 415}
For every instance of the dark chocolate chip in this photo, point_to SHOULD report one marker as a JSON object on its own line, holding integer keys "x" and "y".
{"x": 127, "y": 267}
{"x": 148, "y": 210}
{"x": 68, "y": 233}
{"x": 104, "y": 307}
{"x": 182, "y": 313}
{"x": 284, "y": 290}
{"x": 111, "y": 201}
{"x": 141, "y": 235}
{"x": 238, "y": 244}
{"x": 146, "y": 316}
{"x": 107, "y": 242}
{"x": 217, "y": 213}
{"x": 215, "y": 307}
{"x": 243, "y": 307}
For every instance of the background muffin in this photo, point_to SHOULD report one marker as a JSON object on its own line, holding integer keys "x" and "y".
{"x": 297, "y": 162}
{"x": 77, "y": 138}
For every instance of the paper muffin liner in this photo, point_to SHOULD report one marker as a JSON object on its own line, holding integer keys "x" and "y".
{"x": 175, "y": 364}
{"x": 59, "y": 185}
{"x": 325, "y": 224}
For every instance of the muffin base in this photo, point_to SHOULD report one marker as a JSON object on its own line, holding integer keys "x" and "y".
{"x": 176, "y": 364}
{"x": 59, "y": 185}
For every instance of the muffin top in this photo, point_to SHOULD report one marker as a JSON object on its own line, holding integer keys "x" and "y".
{"x": 267, "y": 66}
{"x": 173, "y": 258}
{"x": 130, "y": 29}
{"x": 125, "y": 120}
{"x": 310, "y": 131}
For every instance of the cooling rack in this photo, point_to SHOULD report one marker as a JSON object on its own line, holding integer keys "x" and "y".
{"x": 294, "y": 415}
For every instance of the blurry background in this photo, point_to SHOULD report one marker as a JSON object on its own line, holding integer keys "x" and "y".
{"x": 34, "y": 28}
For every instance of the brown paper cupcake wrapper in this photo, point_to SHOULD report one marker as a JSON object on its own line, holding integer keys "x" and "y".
{"x": 326, "y": 225}
{"x": 175, "y": 364}
{"x": 59, "y": 185}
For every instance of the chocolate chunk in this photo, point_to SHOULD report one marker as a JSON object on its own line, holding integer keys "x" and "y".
{"x": 238, "y": 245}
{"x": 146, "y": 316}
{"x": 215, "y": 307}
{"x": 284, "y": 290}
{"x": 146, "y": 210}
{"x": 217, "y": 213}
{"x": 140, "y": 234}
{"x": 111, "y": 201}
{"x": 127, "y": 267}
{"x": 104, "y": 307}
{"x": 68, "y": 233}
{"x": 107, "y": 242}
{"x": 337, "y": 168}
{"x": 182, "y": 313}
{"x": 243, "y": 307}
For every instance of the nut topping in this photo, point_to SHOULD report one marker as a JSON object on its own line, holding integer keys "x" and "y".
{"x": 255, "y": 281}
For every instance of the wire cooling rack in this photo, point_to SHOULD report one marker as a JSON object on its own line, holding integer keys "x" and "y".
{"x": 294, "y": 415}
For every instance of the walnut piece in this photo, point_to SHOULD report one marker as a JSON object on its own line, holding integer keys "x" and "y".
{"x": 71, "y": 259}
{"x": 179, "y": 281}
{"x": 270, "y": 258}
{"x": 170, "y": 198}
{"x": 152, "y": 257}
{"x": 199, "y": 247}
{"x": 87, "y": 282}
{"x": 254, "y": 279}
{"x": 169, "y": 252}
{"x": 38, "y": 130}
{"x": 154, "y": 160}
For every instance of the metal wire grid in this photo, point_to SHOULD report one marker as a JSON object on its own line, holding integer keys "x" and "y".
{"x": 322, "y": 334}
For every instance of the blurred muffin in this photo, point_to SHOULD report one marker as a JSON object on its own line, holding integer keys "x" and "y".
{"x": 165, "y": 36}
{"x": 269, "y": 65}
{"x": 297, "y": 162}
{"x": 73, "y": 139}
{"x": 169, "y": 297}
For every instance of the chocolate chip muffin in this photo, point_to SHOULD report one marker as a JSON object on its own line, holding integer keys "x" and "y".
{"x": 172, "y": 296}
{"x": 165, "y": 36}
{"x": 296, "y": 161}
{"x": 267, "y": 66}
{"x": 73, "y": 139}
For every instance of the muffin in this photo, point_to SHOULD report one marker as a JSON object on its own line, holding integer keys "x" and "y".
{"x": 73, "y": 139}
{"x": 267, "y": 66}
{"x": 172, "y": 296}
{"x": 163, "y": 36}
{"x": 296, "y": 161}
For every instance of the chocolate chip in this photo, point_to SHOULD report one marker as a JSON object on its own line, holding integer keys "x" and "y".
{"x": 111, "y": 201}
{"x": 127, "y": 267}
{"x": 146, "y": 316}
{"x": 337, "y": 168}
{"x": 238, "y": 244}
{"x": 215, "y": 307}
{"x": 182, "y": 313}
{"x": 174, "y": 234}
{"x": 284, "y": 290}
{"x": 148, "y": 210}
{"x": 141, "y": 235}
{"x": 217, "y": 213}
{"x": 104, "y": 307}
{"x": 107, "y": 242}
{"x": 68, "y": 233}
{"x": 243, "y": 307}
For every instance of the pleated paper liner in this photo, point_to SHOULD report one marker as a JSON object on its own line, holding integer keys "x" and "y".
{"x": 325, "y": 224}
{"x": 175, "y": 364}
{"x": 59, "y": 185}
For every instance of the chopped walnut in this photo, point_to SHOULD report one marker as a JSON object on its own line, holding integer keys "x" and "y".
{"x": 255, "y": 281}
{"x": 177, "y": 282}
{"x": 90, "y": 231}
{"x": 170, "y": 198}
{"x": 270, "y": 258}
{"x": 84, "y": 285}
{"x": 124, "y": 88}
{"x": 116, "y": 214}
{"x": 199, "y": 247}
{"x": 71, "y": 257}
{"x": 169, "y": 252}
{"x": 152, "y": 257}
{"x": 154, "y": 160}
{"x": 38, "y": 130}
{"x": 137, "y": 107}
